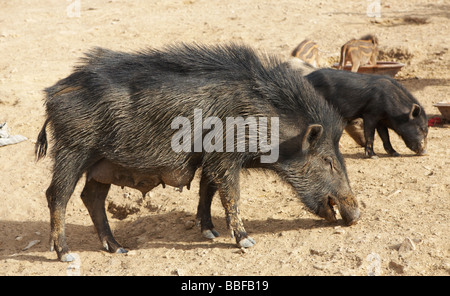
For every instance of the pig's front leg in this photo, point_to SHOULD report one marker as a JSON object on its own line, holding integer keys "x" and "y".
{"x": 229, "y": 195}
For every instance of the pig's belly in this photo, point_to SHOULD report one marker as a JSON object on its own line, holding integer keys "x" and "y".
{"x": 107, "y": 172}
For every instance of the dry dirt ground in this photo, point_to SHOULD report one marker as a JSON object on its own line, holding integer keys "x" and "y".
{"x": 404, "y": 228}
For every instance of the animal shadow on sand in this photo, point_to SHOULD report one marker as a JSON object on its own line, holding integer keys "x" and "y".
{"x": 156, "y": 230}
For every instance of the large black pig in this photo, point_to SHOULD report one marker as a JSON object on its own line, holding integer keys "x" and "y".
{"x": 380, "y": 101}
{"x": 113, "y": 119}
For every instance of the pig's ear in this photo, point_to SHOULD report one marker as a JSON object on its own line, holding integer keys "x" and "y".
{"x": 312, "y": 135}
{"x": 415, "y": 111}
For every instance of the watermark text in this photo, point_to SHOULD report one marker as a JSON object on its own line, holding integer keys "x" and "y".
{"x": 248, "y": 134}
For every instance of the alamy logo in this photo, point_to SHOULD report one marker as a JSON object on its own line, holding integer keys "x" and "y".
{"x": 374, "y": 268}
{"x": 373, "y": 8}
{"x": 74, "y": 268}
{"x": 251, "y": 133}
{"x": 74, "y": 8}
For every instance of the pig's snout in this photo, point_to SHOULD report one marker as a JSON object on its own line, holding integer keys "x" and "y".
{"x": 422, "y": 152}
{"x": 348, "y": 208}
{"x": 422, "y": 148}
{"x": 417, "y": 145}
{"x": 350, "y": 215}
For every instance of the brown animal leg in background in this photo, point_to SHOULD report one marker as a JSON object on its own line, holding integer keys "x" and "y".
{"x": 93, "y": 196}
{"x": 373, "y": 60}
{"x": 317, "y": 61}
{"x": 355, "y": 129}
{"x": 355, "y": 66}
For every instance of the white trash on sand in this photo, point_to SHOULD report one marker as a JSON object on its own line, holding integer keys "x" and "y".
{"x": 6, "y": 138}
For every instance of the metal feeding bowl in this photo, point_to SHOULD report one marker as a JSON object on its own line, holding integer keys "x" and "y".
{"x": 444, "y": 108}
{"x": 381, "y": 68}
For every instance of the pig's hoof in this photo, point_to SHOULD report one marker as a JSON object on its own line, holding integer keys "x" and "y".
{"x": 112, "y": 246}
{"x": 210, "y": 233}
{"x": 247, "y": 242}
{"x": 395, "y": 154}
{"x": 373, "y": 156}
{"x": 67, "y": 258}
{"x": 121, "y": 251}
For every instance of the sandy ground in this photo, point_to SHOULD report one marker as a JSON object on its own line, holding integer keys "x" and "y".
{"x": 404, "y": 229}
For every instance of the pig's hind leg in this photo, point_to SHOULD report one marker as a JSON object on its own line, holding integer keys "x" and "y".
{"x": 207, "y": 191}
{"x": 67, "y": 170}
{"x": 93, "y": 196}
{"x": 369, "y": 134}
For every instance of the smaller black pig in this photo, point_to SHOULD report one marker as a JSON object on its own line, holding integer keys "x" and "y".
{"x": 380, "y": 101}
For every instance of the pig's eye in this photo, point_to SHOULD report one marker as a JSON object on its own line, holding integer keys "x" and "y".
{"x": 329, "y": 161}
